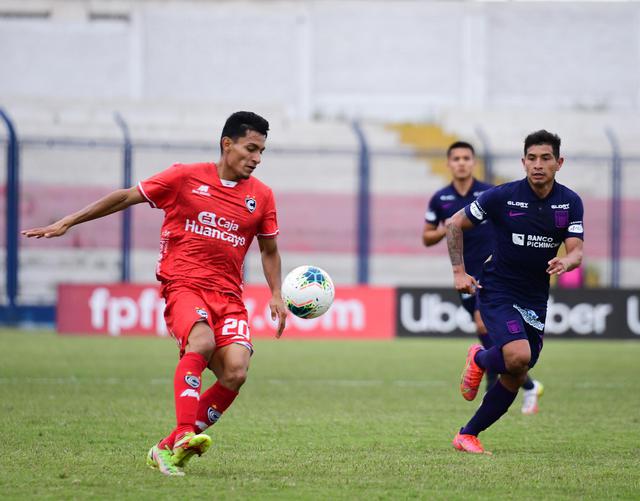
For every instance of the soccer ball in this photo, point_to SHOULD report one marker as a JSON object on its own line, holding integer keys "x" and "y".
{"x": 307, "y": 291}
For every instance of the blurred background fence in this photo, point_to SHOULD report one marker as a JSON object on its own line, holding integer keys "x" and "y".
{"x": 355, "y": 209}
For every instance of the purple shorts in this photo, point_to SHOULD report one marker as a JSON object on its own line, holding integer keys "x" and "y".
{"x": 509, "y": 321}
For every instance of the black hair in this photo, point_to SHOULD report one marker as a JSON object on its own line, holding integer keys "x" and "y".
{"x": 543, "y": 137}
{"x": 240, "y": 122}
{"x": 460, "y": 144}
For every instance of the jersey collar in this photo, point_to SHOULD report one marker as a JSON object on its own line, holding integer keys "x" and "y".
{"x": 532, "y": 194}
{"x": 472, "y": 188}
{"x": 222, "y": 182}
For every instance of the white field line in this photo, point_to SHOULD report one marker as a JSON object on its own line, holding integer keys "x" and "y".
{"x": 72, "y": 380}
{"x": 357, "y": 382}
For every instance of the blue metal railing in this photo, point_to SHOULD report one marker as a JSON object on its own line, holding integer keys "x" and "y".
{"x": 487, "y": 156}
{"x": 616, "y": 206}
{"x": 363, "y": 220}
{"x": 125, "y": 240}
{"x": 12, "y": 215}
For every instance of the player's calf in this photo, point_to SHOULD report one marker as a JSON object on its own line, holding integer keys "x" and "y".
{"x": 213, "y": 403}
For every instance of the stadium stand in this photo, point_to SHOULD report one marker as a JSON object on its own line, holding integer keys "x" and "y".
{"x": 313, "y": 169}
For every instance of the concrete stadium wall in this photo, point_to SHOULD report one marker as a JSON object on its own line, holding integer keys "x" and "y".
{"x": 364, "y": 58}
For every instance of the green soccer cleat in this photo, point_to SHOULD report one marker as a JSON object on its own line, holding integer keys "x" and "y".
{"x": 161, "y": 459}
{"x": 187, "y": 446}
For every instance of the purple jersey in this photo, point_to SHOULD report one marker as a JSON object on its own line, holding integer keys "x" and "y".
{"x": 528, "y": 231}
{"x": 477, "y": 241}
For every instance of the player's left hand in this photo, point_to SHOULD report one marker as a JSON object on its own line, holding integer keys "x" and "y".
{"x": 56, "y": 229}
{"x": 278, "y": 312}
{"x": 557, "y": 266}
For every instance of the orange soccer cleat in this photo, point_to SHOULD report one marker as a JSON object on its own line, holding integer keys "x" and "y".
{"x": 468, "y": 443}
{"x": 471, "y": 374}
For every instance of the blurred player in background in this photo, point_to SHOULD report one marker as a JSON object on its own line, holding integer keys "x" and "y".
{"x": 212, "y": 213}
{"x": 445, "y": 202}
{"x": 531, "y": 219}
{"x": 478, "y": 241}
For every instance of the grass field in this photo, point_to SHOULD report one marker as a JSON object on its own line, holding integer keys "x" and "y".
{"x": 316, "y": 420}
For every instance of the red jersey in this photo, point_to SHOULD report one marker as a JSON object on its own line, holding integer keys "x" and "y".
{"x": 208, "y": 225}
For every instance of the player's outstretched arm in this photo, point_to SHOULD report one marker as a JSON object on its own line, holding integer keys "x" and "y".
{"x": 455, "y": 225}
{"x": 113, "y": 202}
{"x": 432, "y": 234}
{"x": 271, "y": 265}
{"x": 573, "y": 258}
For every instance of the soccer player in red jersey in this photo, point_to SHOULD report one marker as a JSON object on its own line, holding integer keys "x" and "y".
{"x": 212, "y": 213}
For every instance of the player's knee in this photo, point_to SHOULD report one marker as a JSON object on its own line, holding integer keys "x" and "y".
{"x": 518, "y": 364}
{"x": 234, "y": 378}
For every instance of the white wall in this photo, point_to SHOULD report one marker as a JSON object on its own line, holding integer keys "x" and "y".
{"x": 355, "y": 58}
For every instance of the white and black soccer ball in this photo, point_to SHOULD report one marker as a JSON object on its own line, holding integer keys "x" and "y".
{"x": 308, "y": 291}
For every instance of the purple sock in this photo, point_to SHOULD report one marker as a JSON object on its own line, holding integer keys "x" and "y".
{"x": 491, "y": 360}
{"x": 485, "y": 341}
{"x": 494, "y": 404}
{"x": 528, "y": 384}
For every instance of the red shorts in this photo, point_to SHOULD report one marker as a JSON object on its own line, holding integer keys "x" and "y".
{"x": 224, "y": 313}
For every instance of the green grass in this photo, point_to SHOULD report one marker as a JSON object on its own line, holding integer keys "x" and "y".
{"x": 316, "y": 420}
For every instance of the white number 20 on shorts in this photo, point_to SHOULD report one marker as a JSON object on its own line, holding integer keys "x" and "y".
{"x": 235, "y": 327}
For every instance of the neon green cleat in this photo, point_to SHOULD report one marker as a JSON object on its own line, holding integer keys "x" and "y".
{"x": 161, "y": 459}
{"x": 187, "y": 446}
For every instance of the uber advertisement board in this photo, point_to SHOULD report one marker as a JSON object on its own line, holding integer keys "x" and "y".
{"x": 589, "y": 313}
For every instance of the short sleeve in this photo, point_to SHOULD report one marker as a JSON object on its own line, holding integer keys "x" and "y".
{"x": 483, "y": 208}
{"x": 431, "y": 216}
{"x": 269, "y": 225}
{"x": 160, "y": 189}
{"x": 576, "y": 213}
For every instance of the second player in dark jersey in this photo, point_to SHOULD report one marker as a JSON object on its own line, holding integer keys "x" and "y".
{"x": 463, "y": 190}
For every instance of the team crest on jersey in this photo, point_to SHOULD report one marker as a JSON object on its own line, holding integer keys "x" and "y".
{"x": 250, "y": 202}
{"x": 202, "y": 312}
{"x": 562, "y": 218}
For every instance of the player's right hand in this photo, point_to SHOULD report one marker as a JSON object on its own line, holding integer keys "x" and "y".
{"x": 278, "y": 312}
{"x": 56, "y": 229}
{"x": 463, "y": 282}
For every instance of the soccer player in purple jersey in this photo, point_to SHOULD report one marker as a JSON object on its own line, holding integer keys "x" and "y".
{"x": 478, "y": 243}
{"x": 531, "y": 219}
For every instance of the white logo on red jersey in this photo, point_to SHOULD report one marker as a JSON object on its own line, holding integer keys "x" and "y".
{"x": 215, "y": 227}
{"x": 210, "y": 219}
{"x": 202, "y": 190}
